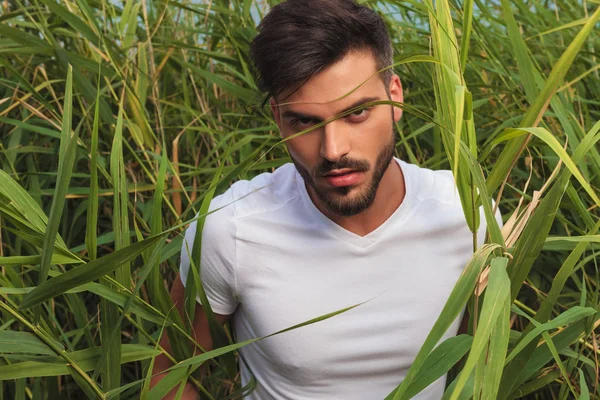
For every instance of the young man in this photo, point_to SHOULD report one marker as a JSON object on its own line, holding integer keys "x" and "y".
{"x": 346, "y": 223}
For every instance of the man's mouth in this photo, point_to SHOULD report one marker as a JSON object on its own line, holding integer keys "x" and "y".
{"x": 343, "y": 177}
{"x": 339, "y": 172}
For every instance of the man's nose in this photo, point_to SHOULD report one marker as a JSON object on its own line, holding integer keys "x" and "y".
{"x": 335, "y": 142}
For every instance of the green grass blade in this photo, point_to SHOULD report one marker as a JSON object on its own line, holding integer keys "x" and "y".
{"x": 526, "y": 68}
{"x": 512, "y": 151}
{"x": 542, "y": 354}
{"x": 498, "y": 346}
{"x": 467, "y": 27}
{"x": 54, "y": 366}
{"x": 86, "y": 273}
{"x": 496, "y": 296}
{"x": 91, "y": 235}
{"x": 551, "y": 141}
{"x": 22, "y": 343}
{"x": 155, "y": 281}
{"x": 585, "y": 392}
{"x": 68, "y": 145}
{"x": 567, "y": 318}
{"x": 76, "y": 23}
{"x": 439, "y": 362}
{"x": 120, "y": 215}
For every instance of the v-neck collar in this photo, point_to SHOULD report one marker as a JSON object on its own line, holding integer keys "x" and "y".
{"x": 372, "y": 237}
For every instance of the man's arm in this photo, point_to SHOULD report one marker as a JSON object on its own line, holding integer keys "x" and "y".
{"x": 200, "y": 333}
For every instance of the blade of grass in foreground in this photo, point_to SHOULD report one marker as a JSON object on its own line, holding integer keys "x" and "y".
{"x": 68, "y": 145}
{"x": 55, "y": 366}
{"x": 17, "y": 205}
{"x": 22, "y": 343}
{"x": 91, "y": 235}
{"x": 585, "y": 392}
{"x": 490, "y": 376}
{"x": 120, "y": 217}
{"x": 497, "y": 294}
{"x": 86, "y": 273}
{"x": 139, "y": 306}
{"x": 439, "y": 362}
{"x": 450, "y": 95}
{"x": 110, "y": 370}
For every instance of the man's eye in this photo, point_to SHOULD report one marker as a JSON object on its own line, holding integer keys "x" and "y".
{"x": 301, "y": 122}
{"x": 359, "y": 115}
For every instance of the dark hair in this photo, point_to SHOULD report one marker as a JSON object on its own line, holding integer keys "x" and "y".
{"x": 299, "y": 38}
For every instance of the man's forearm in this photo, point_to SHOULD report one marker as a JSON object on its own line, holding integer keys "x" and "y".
{"x": 161, "y": 364}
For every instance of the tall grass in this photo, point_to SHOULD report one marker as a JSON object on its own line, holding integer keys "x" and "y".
{"x": 119, "y": 123}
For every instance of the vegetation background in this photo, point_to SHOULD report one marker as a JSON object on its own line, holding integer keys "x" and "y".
{"x": 119, "y": 121}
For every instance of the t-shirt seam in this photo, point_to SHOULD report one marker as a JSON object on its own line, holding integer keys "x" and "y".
{"x": 417, "y": 194}
{"x": 423, "y": 199}
{"x": 235, "y": 237}
{"x": 234, "y": 263}
{"x": 232, "y": 204}
{"x": 269, "y": 210}
{"x": 235, "y": 269}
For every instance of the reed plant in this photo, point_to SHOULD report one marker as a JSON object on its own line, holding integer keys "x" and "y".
{"x": 120, "y": 121}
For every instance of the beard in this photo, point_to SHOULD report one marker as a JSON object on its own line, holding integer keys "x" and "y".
{"x": 340, "y": 200}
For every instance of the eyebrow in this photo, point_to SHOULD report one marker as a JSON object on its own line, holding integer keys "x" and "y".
{"x": 293, "y": 114}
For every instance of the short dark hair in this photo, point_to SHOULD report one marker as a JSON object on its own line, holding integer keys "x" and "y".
{"x": 299, "y": 38}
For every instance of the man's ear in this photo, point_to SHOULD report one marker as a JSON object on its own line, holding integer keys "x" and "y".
{"x": 275, "y": 110}
{"x": 396, "y": 95}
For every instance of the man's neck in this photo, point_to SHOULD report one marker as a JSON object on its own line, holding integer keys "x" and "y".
{"x": 390, "y": 195}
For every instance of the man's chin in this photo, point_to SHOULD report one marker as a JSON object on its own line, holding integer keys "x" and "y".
{"x": 345, "y": 204}
{"x": 343, "y": 194}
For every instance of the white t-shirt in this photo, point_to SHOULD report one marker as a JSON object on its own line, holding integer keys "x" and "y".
{"x": 273, "y": 260}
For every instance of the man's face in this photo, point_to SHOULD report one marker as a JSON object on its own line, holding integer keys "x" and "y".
{"x": 343, "y": 161}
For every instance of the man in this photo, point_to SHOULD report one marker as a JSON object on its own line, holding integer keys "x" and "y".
{"x": 345, "y": 224}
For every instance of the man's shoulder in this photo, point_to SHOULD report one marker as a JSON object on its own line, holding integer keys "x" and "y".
{"x": 427, "y": 184}
{"x": 440, "y": 186}
{"x": 265, "y": 192}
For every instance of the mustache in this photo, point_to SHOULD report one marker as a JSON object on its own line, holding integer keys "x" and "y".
{"x": 349, "y": 163}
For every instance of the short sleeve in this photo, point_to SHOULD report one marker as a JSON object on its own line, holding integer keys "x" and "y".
{"x": 217, "y": 266}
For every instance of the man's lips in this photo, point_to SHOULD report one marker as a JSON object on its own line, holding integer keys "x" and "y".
{"x": 338, "y": 172}
{"x": 343, "y": 177}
